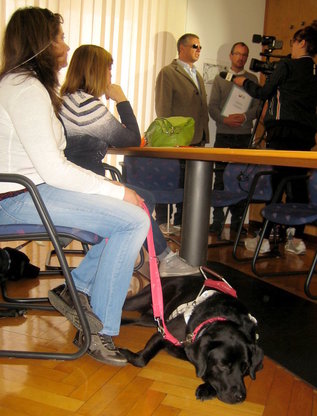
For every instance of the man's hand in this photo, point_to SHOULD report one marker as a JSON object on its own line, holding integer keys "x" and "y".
{"x": 234, "y": 120}
{"x": 239, "y": 81}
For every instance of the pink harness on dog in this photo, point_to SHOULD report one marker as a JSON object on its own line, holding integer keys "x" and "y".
{"x": 157, "y": 296}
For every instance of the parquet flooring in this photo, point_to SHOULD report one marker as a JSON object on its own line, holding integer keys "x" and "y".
{"x": 165, "y": 387}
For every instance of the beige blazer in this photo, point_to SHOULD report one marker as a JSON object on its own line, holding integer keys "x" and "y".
{"x": 177, "y": 95}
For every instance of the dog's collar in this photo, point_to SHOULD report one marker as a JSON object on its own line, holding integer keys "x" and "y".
{"x": 194, "y": 335}
{"x": 190, "y": 338}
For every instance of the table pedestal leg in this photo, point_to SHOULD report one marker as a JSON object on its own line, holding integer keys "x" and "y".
{"x": 196, "y": 212}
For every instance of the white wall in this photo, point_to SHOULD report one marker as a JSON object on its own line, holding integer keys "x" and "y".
{"x": 221, "y": 23}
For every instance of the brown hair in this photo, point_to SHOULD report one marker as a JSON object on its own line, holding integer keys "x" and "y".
{"x": 240, "y": 44}
{"x": 309, "y": 34}
{"x": 87, "y": 71}
{"x": 27, "y": 47}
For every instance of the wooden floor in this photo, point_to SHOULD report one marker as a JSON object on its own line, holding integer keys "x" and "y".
{"x": 165, "y": 387}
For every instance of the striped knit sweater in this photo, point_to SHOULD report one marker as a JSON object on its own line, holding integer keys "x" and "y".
{"x": 90, "y": 129}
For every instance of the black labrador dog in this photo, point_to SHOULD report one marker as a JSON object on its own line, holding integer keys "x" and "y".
{"x": 225, "y": 349}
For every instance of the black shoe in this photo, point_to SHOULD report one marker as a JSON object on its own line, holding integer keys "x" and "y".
{"x": 234, "y": 229}
{"x": 244, "y": 231}
{"x": 102, "y": 349}
{"x": 215, "y": 228}
{"x": 60, "y": 298}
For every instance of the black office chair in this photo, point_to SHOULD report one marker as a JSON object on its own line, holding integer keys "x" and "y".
{"x": 49, "y": 230}
{"x": 290, "y": 214}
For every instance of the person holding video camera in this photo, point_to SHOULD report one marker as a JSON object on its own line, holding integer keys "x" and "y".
{"x": 290, "y": 119}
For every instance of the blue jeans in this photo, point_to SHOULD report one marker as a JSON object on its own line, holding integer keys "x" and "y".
{"x": 105, "y": 272}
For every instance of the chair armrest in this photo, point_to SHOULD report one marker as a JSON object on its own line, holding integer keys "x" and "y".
{"x": 255, "y": 180}
{"x": 114, "y": 172}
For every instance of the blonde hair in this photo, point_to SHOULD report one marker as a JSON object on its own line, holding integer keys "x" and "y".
{"x": 87, "y": 71}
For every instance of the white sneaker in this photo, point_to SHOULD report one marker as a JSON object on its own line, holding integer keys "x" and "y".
{"x": 295, "y": 246}
{"x": 290, "y": 233}
{"x": 169, "y": 230}
{"x": 173, "y": 265}
{"x": 251, "y": 243}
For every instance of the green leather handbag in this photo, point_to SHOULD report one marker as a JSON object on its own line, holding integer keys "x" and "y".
{"x": 170, "y": 132}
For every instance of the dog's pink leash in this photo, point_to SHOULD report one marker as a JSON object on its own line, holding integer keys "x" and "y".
{"x": 156, "y": 288}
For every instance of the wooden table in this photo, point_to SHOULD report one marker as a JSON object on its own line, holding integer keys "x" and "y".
{"x": 198, "y": 184}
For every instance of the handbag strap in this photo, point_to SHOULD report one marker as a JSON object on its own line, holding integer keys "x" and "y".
{"x": 167, "y": 126}
{"x": 156, "y": 288}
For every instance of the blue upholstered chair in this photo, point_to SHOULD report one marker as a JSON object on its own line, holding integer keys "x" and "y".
{"x": 46, "y": 231}
{"x": 243, "y": 183}
{"x": 291, "y": 214}
{"x": 160, "y": 176}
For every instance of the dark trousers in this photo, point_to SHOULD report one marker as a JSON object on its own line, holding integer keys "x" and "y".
{"x": 234, "y": 141}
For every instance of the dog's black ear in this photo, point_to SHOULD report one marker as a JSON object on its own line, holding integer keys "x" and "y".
{"x": 256, "y": 360}
{"x": 20, "y": 266}
{"x": 198, "y": 353}
{"x": 249, "y": 327}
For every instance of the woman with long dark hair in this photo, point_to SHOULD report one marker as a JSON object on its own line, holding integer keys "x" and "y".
{"x": 32, "y": 143}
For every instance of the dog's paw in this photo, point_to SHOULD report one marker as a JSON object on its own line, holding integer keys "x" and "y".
{"x": 132, "y": 357}
{"x": 205, "y": 392}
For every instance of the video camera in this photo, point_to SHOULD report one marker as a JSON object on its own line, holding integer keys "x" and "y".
{"x": 266, "y": 67}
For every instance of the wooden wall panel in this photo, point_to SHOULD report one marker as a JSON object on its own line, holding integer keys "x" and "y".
{"x": 284, "y": 17}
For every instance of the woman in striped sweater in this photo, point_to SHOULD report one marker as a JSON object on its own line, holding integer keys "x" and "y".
{"x": 90, "y": 129}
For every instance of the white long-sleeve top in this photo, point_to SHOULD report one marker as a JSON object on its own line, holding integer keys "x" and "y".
{"x": 32, "y": 141}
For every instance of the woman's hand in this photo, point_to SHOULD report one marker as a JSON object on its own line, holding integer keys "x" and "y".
{"x": 115, "y": 93}
{"x": 132, "y": 197}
